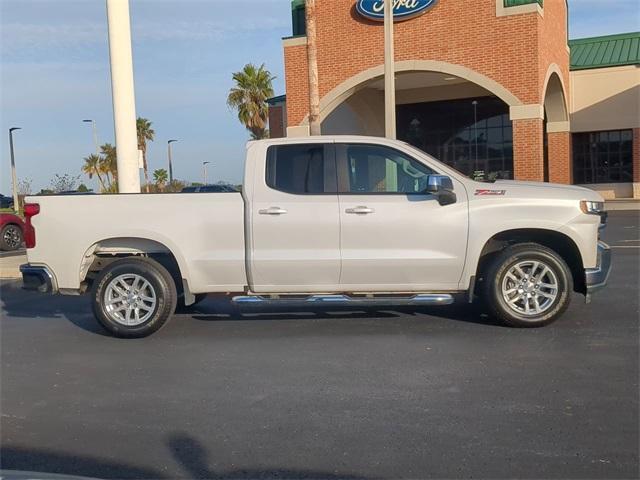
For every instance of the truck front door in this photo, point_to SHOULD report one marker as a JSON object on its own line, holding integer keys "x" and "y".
{"x": 394, "y": 237}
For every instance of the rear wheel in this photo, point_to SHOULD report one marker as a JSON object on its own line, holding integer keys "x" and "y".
{"x": 528, "y": 285}
{"x": 134, "y": 297}
{"x": 11, "y": 237}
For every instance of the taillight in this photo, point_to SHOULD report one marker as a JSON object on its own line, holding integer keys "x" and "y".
{"x": 30, "y": 210}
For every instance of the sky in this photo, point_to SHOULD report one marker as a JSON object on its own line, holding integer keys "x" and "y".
{"x": 54, "y": 72}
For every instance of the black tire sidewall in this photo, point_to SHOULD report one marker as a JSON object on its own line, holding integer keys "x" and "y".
{"x": 3, "y": 244}
{"x": 501, "y": 266}
{"x": 161, "y": 282}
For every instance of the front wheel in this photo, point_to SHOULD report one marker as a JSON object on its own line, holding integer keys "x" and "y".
{"x": 134, "y": 297}
{"x": 528, "y": 285}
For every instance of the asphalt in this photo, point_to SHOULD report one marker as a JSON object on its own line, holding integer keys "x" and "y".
{"x": 224, "y": 393}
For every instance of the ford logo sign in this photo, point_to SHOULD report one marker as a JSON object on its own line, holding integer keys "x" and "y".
{"x": 402, "y": 9}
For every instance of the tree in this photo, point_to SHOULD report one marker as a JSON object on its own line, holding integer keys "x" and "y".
{"x": 83, "y": 188}
{"x": 63, "y": 183}
{"x": 145, "y": 134}
{"x": 109, "y": 166}
{"x": 175, "y": 186}
{"x": 160, "y": 176}
{"x": 92, "y": 167}
{"x": 253, "y": 86}
{"x": 25, "y": 187}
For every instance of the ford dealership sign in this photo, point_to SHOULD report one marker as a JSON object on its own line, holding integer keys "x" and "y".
{"x": 402, "y": 9}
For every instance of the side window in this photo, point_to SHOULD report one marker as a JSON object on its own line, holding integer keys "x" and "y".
{"x": 301, "y": 169}
{"x": 379, "y": 169}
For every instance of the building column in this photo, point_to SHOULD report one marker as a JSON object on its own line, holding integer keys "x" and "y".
{"x": 528, "y": 142}
{"x": 559, "y": 151}
{"x": 528, "y": 149}
{"x": 636, "y": 163}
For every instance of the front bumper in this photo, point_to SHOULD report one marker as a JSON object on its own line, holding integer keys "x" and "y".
{"x": 596, "y": 278}
{"x": 38, "y": 278}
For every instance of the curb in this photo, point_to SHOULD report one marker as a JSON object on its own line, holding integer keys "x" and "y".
{"x": 10, "y": 273}
{"x": 619, "y": 205}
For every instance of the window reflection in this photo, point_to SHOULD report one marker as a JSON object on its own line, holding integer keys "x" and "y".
{"x": 477, "y": 143}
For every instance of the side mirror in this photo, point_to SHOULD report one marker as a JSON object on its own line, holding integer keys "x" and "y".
{"x": 441, "y": 187}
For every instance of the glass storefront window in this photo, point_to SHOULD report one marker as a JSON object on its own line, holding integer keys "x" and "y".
{"x": 603, "y": 157}
{"x": 476, "y": 141}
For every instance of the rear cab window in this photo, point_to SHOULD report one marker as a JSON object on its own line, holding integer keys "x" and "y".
{"x": 302, "y": 169}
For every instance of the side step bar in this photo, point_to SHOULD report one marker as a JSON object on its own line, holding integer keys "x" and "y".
{"x": 420, "y": 299}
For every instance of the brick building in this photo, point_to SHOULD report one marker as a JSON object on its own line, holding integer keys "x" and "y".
{"x": 491, "y": 87}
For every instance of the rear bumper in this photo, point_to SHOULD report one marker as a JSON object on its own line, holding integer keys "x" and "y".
{"x": 596, "y": 278}
{"x": 38, "y": 278}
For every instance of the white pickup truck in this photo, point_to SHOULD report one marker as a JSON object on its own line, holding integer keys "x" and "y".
{"x": 323, "y": 220}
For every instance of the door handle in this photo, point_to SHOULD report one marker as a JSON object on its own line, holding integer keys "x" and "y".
{"x": 272, "y": 211}
{"x": 360, "y": 210}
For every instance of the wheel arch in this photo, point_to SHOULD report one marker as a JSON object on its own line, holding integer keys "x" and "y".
{"x": 107, "y": 250}
{"x": 559, "y": 242}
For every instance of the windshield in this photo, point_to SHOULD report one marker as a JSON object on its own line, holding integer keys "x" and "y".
{"x": 476, "y": 175}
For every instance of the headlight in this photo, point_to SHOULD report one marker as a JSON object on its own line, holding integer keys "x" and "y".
{"x": 592, "y": 208}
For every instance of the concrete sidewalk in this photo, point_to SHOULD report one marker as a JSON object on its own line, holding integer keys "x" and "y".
{"x": 10, "y": 265}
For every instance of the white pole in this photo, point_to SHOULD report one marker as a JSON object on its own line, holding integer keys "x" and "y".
{"x": 14, "y": 177}
{"x": 389, "y": 73}
{"x": 124, "y": 107}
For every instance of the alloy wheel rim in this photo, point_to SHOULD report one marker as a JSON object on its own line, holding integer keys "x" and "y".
{"x": 12, "y": 237}
{"x": 130, "y": 299}
{"x": 530, "y": 287}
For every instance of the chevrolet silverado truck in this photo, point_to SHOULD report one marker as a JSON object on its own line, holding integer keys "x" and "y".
{"x": 326, "y": 220}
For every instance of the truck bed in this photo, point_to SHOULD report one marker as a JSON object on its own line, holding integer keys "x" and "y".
{"x": 205, "y": 233}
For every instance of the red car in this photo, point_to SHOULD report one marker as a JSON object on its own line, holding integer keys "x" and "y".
{"x": 11, "y": 231}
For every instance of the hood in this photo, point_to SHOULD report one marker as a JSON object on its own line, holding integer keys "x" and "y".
{"x": 515, "y": 188}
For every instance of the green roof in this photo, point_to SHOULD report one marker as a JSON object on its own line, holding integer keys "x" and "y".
{"x": 517, "y": 3}
{"x": 608, "y": 51}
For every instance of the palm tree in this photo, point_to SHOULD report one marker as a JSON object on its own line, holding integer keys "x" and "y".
{"x": 253, "y": 86}
{"x": 91, "y": 167}
{"x": 109, "y": 163}
{"x": 145, "y": 134}
{"x": 160, "y": 176}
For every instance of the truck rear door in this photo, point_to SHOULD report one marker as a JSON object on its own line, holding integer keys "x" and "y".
{"x": 295, "y": 221}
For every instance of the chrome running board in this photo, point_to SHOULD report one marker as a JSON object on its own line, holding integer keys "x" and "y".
{"x": 389, "y": 300}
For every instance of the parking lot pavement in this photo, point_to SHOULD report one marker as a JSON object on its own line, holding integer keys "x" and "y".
{"x": 223, "y": 393}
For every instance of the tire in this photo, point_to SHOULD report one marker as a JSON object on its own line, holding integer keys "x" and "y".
{"x": 181, "y": 307}
{"x": 519, "y": 299}
{"x": 11, "y": 237}
{"x": 155, "y": 299}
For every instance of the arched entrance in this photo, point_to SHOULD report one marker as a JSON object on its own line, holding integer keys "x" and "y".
{"x": 457, "y": 115}
{"x": 557, "y": 137}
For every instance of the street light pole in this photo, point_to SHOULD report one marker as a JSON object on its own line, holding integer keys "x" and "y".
{"x": 204, "y": 171}
{"x": 14, "y": 177}
{"x": 95, "y": 134}
{"x": 170, "y": 164}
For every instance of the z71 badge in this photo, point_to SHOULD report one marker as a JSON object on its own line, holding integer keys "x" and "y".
{"x": 490, "y": 192}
